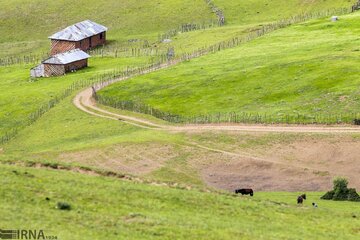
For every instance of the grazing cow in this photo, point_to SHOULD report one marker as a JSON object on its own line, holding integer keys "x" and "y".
{"x": 301, "y": 199}
{"x": 314, "y": 205}
{"x": 245, "y": 191}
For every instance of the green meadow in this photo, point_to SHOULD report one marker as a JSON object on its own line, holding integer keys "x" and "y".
{"x": 22, "y": 96}
{"x": 257, "y": 11}
{"x": 121, "y": 209}
{"x": 25, "y": 25}
{"x": 308, "y": 69}
{"x": 30, "y": 27}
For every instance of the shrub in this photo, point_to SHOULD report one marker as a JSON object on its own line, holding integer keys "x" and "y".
{"x": 353, "y": 195}
{"x": 357, "y": 121}
{"x": 340, "y": 184}
{"x": 63, "y": 206}
{"x": 329, "y": 195}
{"x": 340, "y": 189}
{"x": 341, "y": 192}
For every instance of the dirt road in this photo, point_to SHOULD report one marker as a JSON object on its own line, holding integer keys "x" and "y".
{"x": 85, "y": 102}
{"x": 269, "y": 171}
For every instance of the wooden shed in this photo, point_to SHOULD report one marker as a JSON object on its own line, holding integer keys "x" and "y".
{"x": 61, "y": 63}
{"x": 83, "y": 35}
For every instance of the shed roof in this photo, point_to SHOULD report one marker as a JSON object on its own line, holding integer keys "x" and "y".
{"x": 79, "y": 31}
{"x": 67, "y": 57}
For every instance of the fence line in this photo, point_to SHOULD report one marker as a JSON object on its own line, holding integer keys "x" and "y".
{"x": 26, "y": 59}
{"x": 219, "y": 13}
{"x": 98, "y": 79}
{"x": 146, "y": 50}
{"x": 241, "y": 117}
{"x": 231, "y": 117}
{"x": 188, "y": 27}
{"x": 160, "y": 53}
{"x": 111, "y": 77}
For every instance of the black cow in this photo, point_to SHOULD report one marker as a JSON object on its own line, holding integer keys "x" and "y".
{"x": 245, "y": 191}
{"x": 301, "y": 198}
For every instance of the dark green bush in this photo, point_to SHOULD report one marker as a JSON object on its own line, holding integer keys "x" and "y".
{"x": 63, "y": 206}
{"x": 341, "y": 192}
{"x": 340, "y": 184}
{"x": 353, "y": 195}
{"x": 329, "y": 195}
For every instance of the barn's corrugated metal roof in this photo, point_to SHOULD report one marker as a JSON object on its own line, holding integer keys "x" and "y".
{"x": 67, "y": 57}
{"x": 79, "y": 31}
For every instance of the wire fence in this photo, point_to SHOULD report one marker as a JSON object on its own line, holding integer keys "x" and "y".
{"x": 161, "y": 52}
{"x": 219, "y": 13}
{"x": 100, "y": 80}
{"x": 231, "y": 117}
{"x": 26, "y": 59}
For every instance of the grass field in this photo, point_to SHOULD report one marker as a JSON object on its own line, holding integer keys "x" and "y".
{"x": 20, "y": 96}
{"x": 122, "y": 18}
{"x": 31, "y": 95}
{"x": 122, "y": 209}
{"x": 308, "y": 69}
{"x": 256, "y": 11}
{"x": 124, "y": 23}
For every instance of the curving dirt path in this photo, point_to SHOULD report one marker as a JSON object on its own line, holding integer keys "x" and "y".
{"x": 85, "y": 102}
{"x": 263, "y": 173}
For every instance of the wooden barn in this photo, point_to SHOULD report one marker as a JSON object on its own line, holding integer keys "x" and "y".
{"x": 83, "y": 35}
{"x": 61, "y": 63}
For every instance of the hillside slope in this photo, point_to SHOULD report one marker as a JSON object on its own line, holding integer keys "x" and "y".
{"x": 309, "y": 69}
{"x": 25, "y": 25}
{"x": 255, "y": 11}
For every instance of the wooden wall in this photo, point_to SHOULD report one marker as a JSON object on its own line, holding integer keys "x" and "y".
{"x": 59, "y": 69}
{"x": 60, "y": 46}
{"x": 53, "y": 70}
{"x": 76, "y": 65}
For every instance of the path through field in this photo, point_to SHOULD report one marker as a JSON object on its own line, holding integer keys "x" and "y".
{"x": 317, "y": 162}
{"x": 85, "y": 102}
{"x": 264, "y": 172}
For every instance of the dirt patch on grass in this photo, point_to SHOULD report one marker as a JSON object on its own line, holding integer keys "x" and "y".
{"x": 278, "y": 163}
{"x": 233, "y": 172}
{"x": 339, "y": 156}
{"x": 137, "y": 159}
{"x": 263, "y": 177}
{"x": 263, "y": 162}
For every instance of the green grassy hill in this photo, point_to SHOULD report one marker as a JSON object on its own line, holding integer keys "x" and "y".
{"x": 30, "y": 27}
{"x": 22, "y": 16}
{"x": 109, "y": 208}
{"x": 25, "y": 25}
{"x": 255, "y": 11}
{"x": 307, "y": 69}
